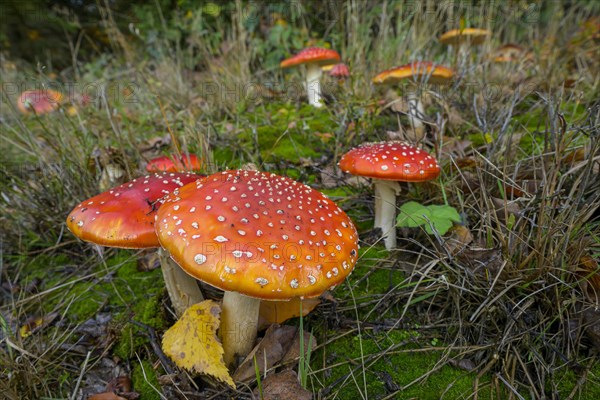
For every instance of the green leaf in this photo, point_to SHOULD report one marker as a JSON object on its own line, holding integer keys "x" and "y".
{"x": 412, "y": 215}
{"x": 440, "y": 218}
{"x": 447, "y": 212}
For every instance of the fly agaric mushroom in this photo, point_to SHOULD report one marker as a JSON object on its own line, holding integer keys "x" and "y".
{"x": 417, "y": 72}
{"x": 457, "y": 37}
{"x": 461, "y": 39}
{"x": 314, "y": 58}
{"x": 39, "y": 101}
{"x": 339, "y": 71}
{"x": 188, "y": 162}
{"x": 256, "y": 235}
{"x": 387, "y": 163}
{"x": 124, "y": 217}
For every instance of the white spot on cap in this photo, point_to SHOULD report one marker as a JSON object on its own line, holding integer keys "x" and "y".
{"x": 261, "y": 281}
{"x": 294, "y": 283}
{"x": 221, "y": 239}
{"x": 199, "y": 259}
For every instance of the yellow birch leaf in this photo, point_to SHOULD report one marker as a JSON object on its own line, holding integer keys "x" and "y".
{"x": 192, "y": 342}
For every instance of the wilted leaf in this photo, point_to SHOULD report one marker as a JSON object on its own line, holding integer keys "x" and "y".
{"x": 268, "y": 352}
{"x": 34, "y": 324}
{"x": 293, "y": 353}
{"x": 331, "y": 177}
{"x": 119, "y": 384}
{"x": 283, "y": 386}
{"x": 464, "y": 363}
{"x": 192, "y": 342}
{"x": 460, "y": 238}
{"x": 106, "y": 396}
{"x": 482, "y": 261}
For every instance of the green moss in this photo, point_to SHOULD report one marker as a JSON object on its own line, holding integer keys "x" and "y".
{"x": 399, "y": 368}
{"x": 565, "y": 381}
{"x": 117, "y": 287}
{"x": 285, "y": 133}
{"x": 145, "y": 381}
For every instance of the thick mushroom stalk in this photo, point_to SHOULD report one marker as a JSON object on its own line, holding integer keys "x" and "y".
{"x": 313, "y": 84}
{"x": 385, "y": 210}
{"x": 182, "y": 288}
{"x": 239, "y": 324}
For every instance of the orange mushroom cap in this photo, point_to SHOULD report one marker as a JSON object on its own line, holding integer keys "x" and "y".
{"x": 188, "y": 162}
{"x": 259, "y": 234}
{"x": 312, "y": 55}
{"x": 396, "y": 161}
{"x": 416, "y": 71}
{"x": 473, "y": 36}
{"x": 39, "y": 101}
{"x": 124, "y": 216}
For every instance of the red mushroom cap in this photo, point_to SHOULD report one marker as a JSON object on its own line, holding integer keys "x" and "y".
{"x": 124, "y": 216}
{"x": 396, "y": 161}
{"x": 188, "y": 162}
{"x": 416, "y": 71}
{"x": 312, "y": 55}
{"x": 259, "y": 234}
{"x": 339, "y": 71}
{"x": 39, "y": 101}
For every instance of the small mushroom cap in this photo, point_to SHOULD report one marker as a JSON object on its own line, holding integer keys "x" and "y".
{"x": 259, "y": 234}
{"x": 39, "y": 101}
{"x": 396, "y": 161}
{"x": 509, "y": 53}
{"x": 188, "y": 162}
{"x": 312, "y": 55}
{"x": 473, "y": 36}
{"x": 416, "y": 71}
{"x": 339, "y": 71}
{"x": 124, "y": 216}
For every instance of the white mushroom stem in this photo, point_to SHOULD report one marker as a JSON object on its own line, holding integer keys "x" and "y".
{"x": 313, "y": 85}
{"x": 415, "y": 111}
{"x": 182, "y": 288}
{"x": 239, "y": 323}
{"x": 385, "y": 210}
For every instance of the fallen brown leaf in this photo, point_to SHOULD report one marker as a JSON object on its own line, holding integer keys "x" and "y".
{"x": 460, "y": 238}
{"x": 283, "y": 386}
{"x": 293, "y": 352}
{"x": 268, "y": 352}
{"x": 106, "y": 396}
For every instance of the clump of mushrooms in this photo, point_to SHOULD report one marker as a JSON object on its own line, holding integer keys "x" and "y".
{"x": 388, "y": 163}
{"x": 256, "y": 235}
{"x": 124, "y": 217}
